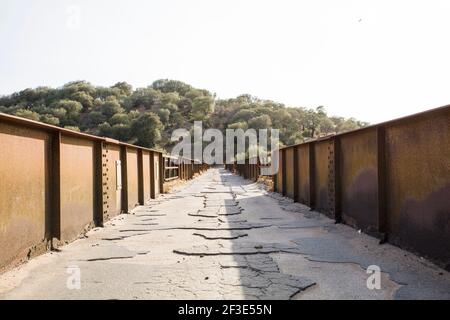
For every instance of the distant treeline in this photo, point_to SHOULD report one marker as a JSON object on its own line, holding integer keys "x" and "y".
{"x": 147, "y": 116}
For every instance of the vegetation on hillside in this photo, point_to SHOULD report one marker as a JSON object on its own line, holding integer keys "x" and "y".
{"x": 147, "y": 116}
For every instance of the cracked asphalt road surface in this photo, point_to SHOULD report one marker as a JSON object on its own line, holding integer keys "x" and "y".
{"x": 222, "y": 237}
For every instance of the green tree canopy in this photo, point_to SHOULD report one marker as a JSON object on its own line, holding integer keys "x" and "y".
{"x": 148, "y": 115}
{"x": 147, "y": 129}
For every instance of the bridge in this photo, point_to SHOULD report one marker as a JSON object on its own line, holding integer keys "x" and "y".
{"x": 133, "y": 223}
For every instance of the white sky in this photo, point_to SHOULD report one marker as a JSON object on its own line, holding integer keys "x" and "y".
{"x": 373, "y": 60}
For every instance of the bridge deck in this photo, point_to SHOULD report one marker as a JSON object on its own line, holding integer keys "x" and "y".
{"x": 220, "y": 236}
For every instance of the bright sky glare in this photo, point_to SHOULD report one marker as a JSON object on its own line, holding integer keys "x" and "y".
{"x": 372, "y": 60}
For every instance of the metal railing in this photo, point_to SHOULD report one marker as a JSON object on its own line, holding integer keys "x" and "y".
{"x": 390, "y": 180}
{"x": 171, "y": 168}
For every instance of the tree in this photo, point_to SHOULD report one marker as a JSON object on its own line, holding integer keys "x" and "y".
{"x": 121, "y": 132}
{"x": 202, "y": 107}
{"x": 142, "y": 98}
{"x": 76, "y": 86}
{"x": 50, "y": 119}
{"x": 111, "y": 107}
{"x": 73, "y": 128}
{"x": 27, "y": 114}
{"x": 124, "y": 88}
{"x": 166, "y": 85}
{"x": 326, "y": 126}
{"x": 164, "y": 115}
{"x": 349, "y": 125}
{"x": 105, "y": 129}
{"x": 120, "y": 118}
{"x": 72, "y": 108}
{"x": 149, "y": 115}
{"x": 238, "y": 125}
{"x": 170, "y": 98}
{"x": 243, "y": 115}
{"x": 147, "y": 129}
{"x": 261, "y": 122}
{"x": 59, "y": 113}
{"x": 313, "y": 119}
{"x": 84, "y": 98}
{"x": 95, "y": 118}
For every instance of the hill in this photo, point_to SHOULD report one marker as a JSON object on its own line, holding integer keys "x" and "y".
{"x": 147, "y": 116}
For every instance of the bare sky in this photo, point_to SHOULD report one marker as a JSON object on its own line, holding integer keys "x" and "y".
{"x": 373, "y": 60}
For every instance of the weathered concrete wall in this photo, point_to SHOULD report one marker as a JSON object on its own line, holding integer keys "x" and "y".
{"x": 24, "y": 181}
{"x": 359, "y": 179}
{"x": 77, "y": 186}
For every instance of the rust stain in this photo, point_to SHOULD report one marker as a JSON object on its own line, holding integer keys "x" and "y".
{"x": 360, "y": 201}
{"x": 77, "y": 186}
{"x": 425, "y": 225}
{"x": 290, "y": 172}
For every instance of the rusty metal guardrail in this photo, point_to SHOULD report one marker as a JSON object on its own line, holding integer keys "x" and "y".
{"x": 56, "y": 183}
{"x": 171, "y": 168}
{"x": 390, "y": 180}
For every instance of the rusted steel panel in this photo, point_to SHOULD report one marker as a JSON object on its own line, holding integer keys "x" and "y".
{"x": 24, "y": 200}
{"x": 279, "y": 176}
{"x": 290, "y": 172}
{"x": 155, "y": 164}
{"x": 112, "y": 181}
{"x": 132, "y": 177}
{"x": 77, "y": 186}
{"x": 303, "y": 174}
{"x": 146, "y": 175}
{"x": 359, "y": 180}
{"x": 418, "y": 184}
{"x": 323, "y": 177}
